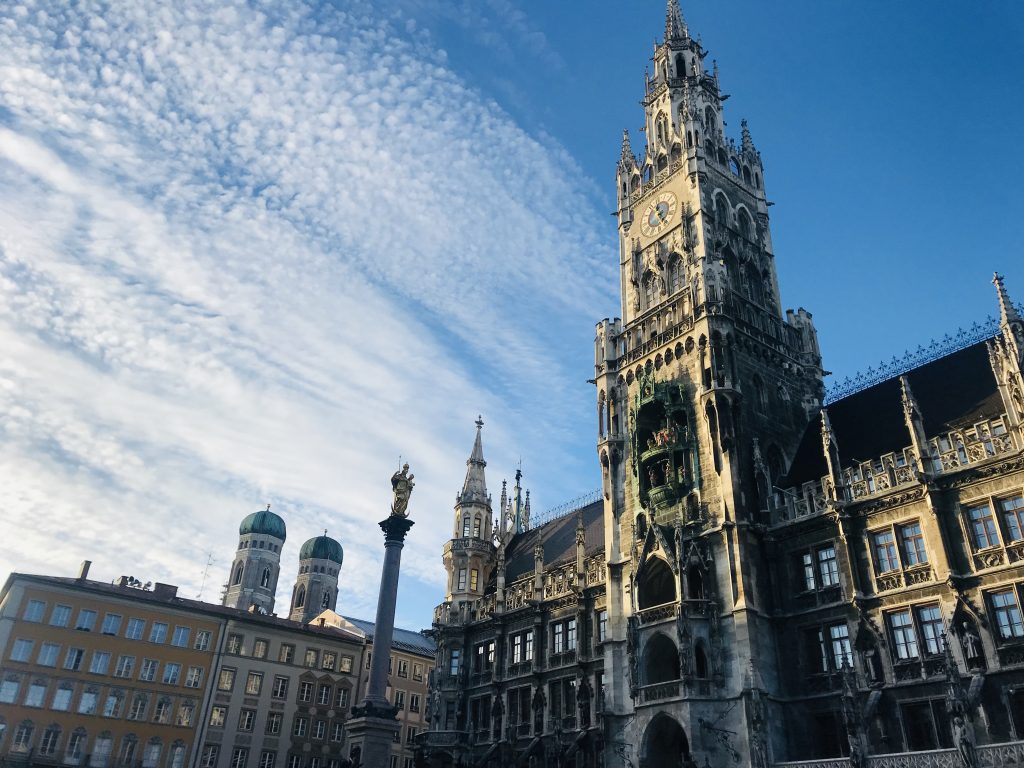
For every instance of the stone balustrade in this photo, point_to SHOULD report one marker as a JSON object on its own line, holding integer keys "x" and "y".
{"x": 1004, "y": 755}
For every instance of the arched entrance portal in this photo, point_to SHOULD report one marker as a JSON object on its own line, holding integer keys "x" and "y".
{"x": 665, "y": 744}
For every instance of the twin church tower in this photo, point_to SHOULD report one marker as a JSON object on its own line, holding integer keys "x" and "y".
{"x": 252, "y": 583}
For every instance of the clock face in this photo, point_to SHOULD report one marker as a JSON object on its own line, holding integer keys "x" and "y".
{"x": 659, "y": 214}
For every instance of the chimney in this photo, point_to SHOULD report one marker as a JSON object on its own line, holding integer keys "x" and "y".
{"x": 83, "y": 570}
{"x": 165, "y": 591}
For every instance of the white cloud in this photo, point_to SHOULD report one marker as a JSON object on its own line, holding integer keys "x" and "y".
{"x": 255, "y": 253}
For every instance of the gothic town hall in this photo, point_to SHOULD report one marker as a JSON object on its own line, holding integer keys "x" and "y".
{"x": 770, "y": 575}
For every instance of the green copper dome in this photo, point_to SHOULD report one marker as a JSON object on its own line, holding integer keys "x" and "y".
{"x": 322, "y": 548}
{"x": 263, "y": 522}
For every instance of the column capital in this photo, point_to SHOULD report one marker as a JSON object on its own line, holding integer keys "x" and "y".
{"x": 395, "y": 528}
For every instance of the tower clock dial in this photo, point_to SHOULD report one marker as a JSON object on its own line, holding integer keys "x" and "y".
{"x": 659, "y": 214}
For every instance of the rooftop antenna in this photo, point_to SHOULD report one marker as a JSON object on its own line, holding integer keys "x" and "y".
{"x": 206, "y": 571}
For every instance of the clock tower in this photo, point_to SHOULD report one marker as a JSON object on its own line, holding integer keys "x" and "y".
{"x": 704, "y": 389}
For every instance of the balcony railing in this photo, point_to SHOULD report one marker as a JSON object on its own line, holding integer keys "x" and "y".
{"x": 659, "y": 691}
{"x": 657, "y": 613}
{"x": 1005, "y": 755}
{"x": 442, "y": 738}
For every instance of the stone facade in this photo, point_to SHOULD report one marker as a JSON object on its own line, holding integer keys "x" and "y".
{"x": 768, "y": 576}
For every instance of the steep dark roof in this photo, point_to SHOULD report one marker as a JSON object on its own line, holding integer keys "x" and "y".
{"x": 954, "y": 391}
{"x": 559, "y": 538}
{"x": 402, "y": 639}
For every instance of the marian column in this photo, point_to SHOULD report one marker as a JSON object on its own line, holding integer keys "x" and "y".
{"x": 373, "y": 726}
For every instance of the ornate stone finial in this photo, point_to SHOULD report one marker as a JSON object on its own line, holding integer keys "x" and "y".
{"x": 1007, "y": 312}
{"x": 627, "y": 158}
{"x": 746, "y": 142}
{"x": 401, "y": 486}
{"x": 325, "y": 532}
{"x": 268, "y": 507}
{"x": 675, "y": 24}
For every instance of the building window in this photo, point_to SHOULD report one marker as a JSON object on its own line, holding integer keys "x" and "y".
{"x": 226, "y": 679}
{"x": 100, "y": 662}
{"x": 828, "y": 567}
{"x": 151, "y": 754}
{"x": 36, "y": 694}
{"x": 904, "y": 639}
{"x": 341, "y": 698}
{"x": 246, "y": 719}
{"x": 148, "y": 670}
{"x": 158, "y": 632}
{"x": 319, "y": 729}
{"x": 417, "y": 672}
{"x": 202, "y": 640}
{"x": 400, "y": 700}
{"x": 300, "y": 727}
{"x": 403, "y": 668}
{"x": 125, "y": 666}
{"x": 135, "y": 629}
{"x": 886, "y": 558}
{"x": 410, "y": 734}
{"x": 929, "y": 620}
{"x": 209, "y": 757}
{"x": 112, "y": 706}
{"x": 280, "y": 689}
{"x": 453, "y": 665}
{"x": 194, "y": 677}
{"x": 186, "y": 713}
{"x": 323, "y": 695}
{"x": 51, "y": 738}
{"x": 926, "y": 725}
{"x": 311, "y": 658}
{"x": 414, "y": 702}
{"x": 23, "y": 737}
{"x": 1012, "y": 510}
{"x": 180, "y": 637}
{"x": 914, "y": 552}
{"x": 328, "y": 660}
{"x": 239, "y": 757}
{"x": 259, "y": 649}
{"x": 305, "y": 692}
{"x": 234, "y": 645}
{"x": 1007, "y": 613}
{"x": 87, "y": 704}
{"x": 602, "y": 626}
{"x": 983, "y": 527}
{"x": 86, "y": 620}
{"x": 139, "y": 705}
{"x": 62, "y": 698}
{"x": 474, "y": 576}
{"x": 337, "y": 731}
{"x": 273, "y": 726}
{"x": 286, "y": 654}
{"x": 73, "y": 659}
{"x": 570, "y": 635}
{"x": 76, "y": 742}
{"x": 465, "y": 526}
{"x": 22, "y": 650}
{"x": 218, "y": 716}
{"x": 48, "y": 655}
{"x": 346, "y": 664}
{"x": 34, "y": 610}
{"x": 60, "y": 616}
{"x": 111, "y": 624}
{"x": 462, "y": 580}
{"x": 827, "y": 649}
{"x": 253, "y": 684}
{"x": 558, "y": 638}
{"x": 9, "y": 689}
{"x": 267, "y": 758}
{"x": 294, "y": 761}
{"x": 172, "y": 672}
{"x": 842, "y": 654}
{"x": 162, "y": 712}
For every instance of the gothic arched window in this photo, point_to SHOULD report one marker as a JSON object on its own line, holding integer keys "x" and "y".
{"x": 760, "y": 396}
{"x": 676, "y": 274}
{"x": 709, "y": 120}
{"x": 300, "y": 597}
{"x": 325, "y": 601}
{"x": 680, "y": 65}
{"x": 650, "y": 283}
{"x": 700, "y": 661}
{"x": 722, "y": 209}
{"x": 657, "y": 584}
{"x": 265, "y": 578}
{"x": 465, "y": 525}
{"x": 743, "y": 219}
{"x": 238, "y": 575}
{"x": 661, "y": 660}
{"x": 476, "y": 526}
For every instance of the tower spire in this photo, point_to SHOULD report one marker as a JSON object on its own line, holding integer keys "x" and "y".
{"x": 747, "y": 143}
{"x": 628, "y": 158}
{"x": 1007, "y": 312}
{"x": 675, "y": 24}
{"x": 475, "y": 486}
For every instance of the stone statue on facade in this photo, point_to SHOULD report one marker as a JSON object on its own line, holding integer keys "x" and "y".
{"x": 963, "y": 738}
{"x": 971, "y": 644}
{"x": 401, "y": 486}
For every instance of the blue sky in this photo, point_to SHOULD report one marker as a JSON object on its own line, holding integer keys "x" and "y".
{"x": 253, "y": 253}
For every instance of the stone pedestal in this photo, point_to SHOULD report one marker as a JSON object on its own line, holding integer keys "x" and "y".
{"x": 373, "y": 737}
{"x": 373, "y": 725}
